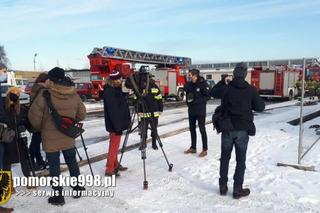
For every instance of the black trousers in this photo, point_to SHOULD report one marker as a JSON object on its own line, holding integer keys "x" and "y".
{"x": 34, "y": 148}
{"x": 153, "y": 124}
{"x": 202, "y": 127}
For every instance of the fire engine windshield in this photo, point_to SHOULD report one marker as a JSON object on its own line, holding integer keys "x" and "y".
{"x": 96, "y": 78}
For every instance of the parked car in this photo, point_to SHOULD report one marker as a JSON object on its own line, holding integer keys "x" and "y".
{"x": 210, "y": 83}
{"x": 22, "y": 83}
{"x": 28, "y": 88}
{"x": 84, "y": 90}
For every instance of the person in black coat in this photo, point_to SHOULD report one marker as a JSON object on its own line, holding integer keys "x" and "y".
{"x": 117, "y": 119}
{"x": 238, "y": 100}
{"x": 197, "y": 93}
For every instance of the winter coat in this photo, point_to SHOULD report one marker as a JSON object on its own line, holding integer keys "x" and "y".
{"x": 35, "y": 90}
{"x": 14, "y": 150}
{"x": 239, "y": 98}
{"x": 116, "y": 109}
{"x": 197, "y": 96}
{"x": 67, "y": 103}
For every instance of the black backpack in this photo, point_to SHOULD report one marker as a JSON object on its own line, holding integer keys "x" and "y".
{"x": 64, "y": 124}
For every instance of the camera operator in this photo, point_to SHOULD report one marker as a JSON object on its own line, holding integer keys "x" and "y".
{"x": 197, "y": 92}
{"x": 68, "y": 104}
{"x": 141, "y": 82}
{"x": 15, "y": 118}
{"x": 117, "y": 119}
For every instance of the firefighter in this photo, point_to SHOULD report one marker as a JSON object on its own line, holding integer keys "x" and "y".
{"x": 152, "y": 108}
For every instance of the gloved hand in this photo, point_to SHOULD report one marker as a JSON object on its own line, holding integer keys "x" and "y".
{"x": 190, "y": 98}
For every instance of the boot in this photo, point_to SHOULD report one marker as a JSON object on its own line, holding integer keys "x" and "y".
{"x": 78, "y": 189}
{"x": 121, "y": 168}
{"x": 223, "y": 189}
{"x": 203, "y": 154}
{"x": 57, "y": 200}
{"x": 190, "y": 150}
{"x": 5, "y": 210}
{"x": 108, "y": 174}
{"x": 240, "y": 192}
{"x": 154, "y": 146}
{"x": 41, "y": 165}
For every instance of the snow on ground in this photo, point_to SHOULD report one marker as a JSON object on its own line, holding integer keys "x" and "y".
{"x": 193, "y": 184}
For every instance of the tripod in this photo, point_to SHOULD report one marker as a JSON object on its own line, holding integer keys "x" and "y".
{"x": 143, "y": 139}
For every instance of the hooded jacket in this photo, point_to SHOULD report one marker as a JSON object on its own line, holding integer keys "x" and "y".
{"x": 67, "y": 103}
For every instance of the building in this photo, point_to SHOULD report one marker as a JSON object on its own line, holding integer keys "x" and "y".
{"x": 79, "y": 75}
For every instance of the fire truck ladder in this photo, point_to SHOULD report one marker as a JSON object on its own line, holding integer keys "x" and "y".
{"x": 141, "y": 57}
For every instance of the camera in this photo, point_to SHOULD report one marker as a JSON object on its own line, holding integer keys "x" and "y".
{"x": 139, "y": 81}
{"x": 22, "y": 132}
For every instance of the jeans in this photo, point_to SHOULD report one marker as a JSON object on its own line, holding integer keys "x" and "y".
{"x": 35, "y": 147}
{"x": 202, "y": 127}
{"x": 71, "y": 161}
{"x": 240, "y": 140}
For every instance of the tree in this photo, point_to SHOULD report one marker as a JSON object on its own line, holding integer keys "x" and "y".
{"x": 4, "y": 61}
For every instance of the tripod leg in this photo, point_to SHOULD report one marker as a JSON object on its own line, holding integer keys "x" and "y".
{"x": 85, "y": 150}
{"x": 143, "y": 151}
{"x": 153, "y": 129}
{"x": 126, "y": 140}
{"x": 80, "y": 158}
{"x": 170, "y": 165}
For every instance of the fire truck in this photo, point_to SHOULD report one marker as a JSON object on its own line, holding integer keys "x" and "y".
{"x": 312, "y": 80}
{"x": 169, "y": 73}
{"x": 275, "y": 81}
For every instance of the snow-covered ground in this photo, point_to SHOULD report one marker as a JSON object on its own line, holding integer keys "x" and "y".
{"x": 192, "y": 186}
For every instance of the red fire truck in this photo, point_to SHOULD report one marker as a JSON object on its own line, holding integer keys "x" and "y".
{"x": 169, "y": 72}
{"x": 275, "y": 81}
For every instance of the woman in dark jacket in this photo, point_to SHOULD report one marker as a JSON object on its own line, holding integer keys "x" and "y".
{"x": 36, "y": 139}
{"x": 16, "y": 119}
{"x": 117, "y": 119}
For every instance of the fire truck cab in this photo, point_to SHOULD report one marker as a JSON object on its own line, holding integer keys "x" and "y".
{"x": 169, "y": 74}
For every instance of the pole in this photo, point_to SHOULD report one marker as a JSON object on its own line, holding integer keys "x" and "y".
{"x": 301, "y": 113}
{"x": 34, "y": 62}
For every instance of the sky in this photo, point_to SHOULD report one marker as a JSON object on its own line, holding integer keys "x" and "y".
{"x": 64, "y": 32}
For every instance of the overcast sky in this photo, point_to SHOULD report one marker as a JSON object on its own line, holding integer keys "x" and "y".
{"x": 64, "y": 32}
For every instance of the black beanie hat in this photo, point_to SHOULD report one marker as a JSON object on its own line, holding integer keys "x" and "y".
{"x": 56, "y": 74}
{"x": 240, "y": 71}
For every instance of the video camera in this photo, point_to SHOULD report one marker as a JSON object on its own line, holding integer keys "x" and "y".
{"x": 139, "y": 81}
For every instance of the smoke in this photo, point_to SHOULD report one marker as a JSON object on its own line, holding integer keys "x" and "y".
{"x": 4, "y": 61}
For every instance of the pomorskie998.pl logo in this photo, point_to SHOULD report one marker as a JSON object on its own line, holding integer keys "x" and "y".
{"x": 63, "y": 181}
{"x": 88, "y": 182}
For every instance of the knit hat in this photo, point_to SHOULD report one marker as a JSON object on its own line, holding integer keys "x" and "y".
{"x": 56, "y": 74}
{"x": 115, "y": 75}
{"x": 240, "y": 71}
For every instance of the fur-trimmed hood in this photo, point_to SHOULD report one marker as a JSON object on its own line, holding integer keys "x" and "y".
{"x": 62, "y": 92}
